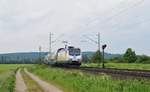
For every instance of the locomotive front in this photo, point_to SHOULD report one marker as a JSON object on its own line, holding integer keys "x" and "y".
{"x": 69, "y": 56}
{"x": 75, "y": 56}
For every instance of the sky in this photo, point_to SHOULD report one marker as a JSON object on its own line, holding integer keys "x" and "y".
{"x": 25, "y": 24}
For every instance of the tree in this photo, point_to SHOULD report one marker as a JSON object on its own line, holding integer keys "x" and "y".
{"x": 130, "y": 56}
{"x": 96, "y": 57}
{"x": 143, "y": 59}
{"x": 85, "y": 59}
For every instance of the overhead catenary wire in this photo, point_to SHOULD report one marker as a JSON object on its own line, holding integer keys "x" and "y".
{"x": 92, "y": 40}
{"x": 103, "y": 22}
{"x": 118, "y": 26}
{"x": 57, "y": 39}
{"x": 51, "y": 42}
{"x": 117, "y": 14}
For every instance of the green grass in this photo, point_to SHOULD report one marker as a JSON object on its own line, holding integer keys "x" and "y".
{"x": 122, "y": 65}
{"x": 77, "y": 81}
{"x": 8, "y": 83}
{"x": 7, "y": 76}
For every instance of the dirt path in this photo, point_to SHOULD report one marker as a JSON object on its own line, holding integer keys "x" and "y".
{"x": 20, "y": 85}
{"x": 31, "y": 84}
{"x": 44, "y": 85}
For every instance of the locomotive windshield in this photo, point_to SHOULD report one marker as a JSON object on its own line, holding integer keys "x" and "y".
{"x": 74, "y": 51}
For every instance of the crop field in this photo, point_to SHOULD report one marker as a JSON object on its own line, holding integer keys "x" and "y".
{"x": 7, "y": 76}
{"x": 77, "y": 81}
{"x": 121, "y": 65}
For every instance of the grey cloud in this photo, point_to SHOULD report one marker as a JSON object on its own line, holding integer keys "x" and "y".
{"x": 25, "y": 24}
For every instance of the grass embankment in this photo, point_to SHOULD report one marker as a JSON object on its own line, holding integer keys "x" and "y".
{"x": 7, "y": 81}
{"x": 121, "y": 65}
{"x": 77, "y": 81}
{"x": 31, "y": 84}
{"x": 7, "y": 77}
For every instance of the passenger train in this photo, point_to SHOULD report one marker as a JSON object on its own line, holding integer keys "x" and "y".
{"x": 65, "y": 56}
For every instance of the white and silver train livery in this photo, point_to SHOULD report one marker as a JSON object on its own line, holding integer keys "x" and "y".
{"x": 68, "y": 55}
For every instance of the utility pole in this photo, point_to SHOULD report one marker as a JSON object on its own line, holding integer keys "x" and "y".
{"x": 51, "y": 42}
{"x": 40, "y": 58}
{"x": 50, "y": 45}
{"x": 98, "y": 44}
{"x": 99, "y": 48}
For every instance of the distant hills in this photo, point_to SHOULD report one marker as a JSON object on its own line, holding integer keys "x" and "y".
{"x": 22, "y": 56}
{"x": 34, "y": 55}
{"x": 107, "y": 55}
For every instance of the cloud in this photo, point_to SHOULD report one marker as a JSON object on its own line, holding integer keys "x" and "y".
{"x": 25, "y": 24}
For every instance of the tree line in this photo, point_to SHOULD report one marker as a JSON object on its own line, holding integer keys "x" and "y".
{"x": 7, "y": 60}
{"x": 128, "y": 57}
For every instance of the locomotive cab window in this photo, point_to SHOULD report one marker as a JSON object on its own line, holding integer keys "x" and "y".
{"x": 74, "y": 52}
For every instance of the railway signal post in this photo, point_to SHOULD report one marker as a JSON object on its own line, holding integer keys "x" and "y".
{"x": 103, "y": 58}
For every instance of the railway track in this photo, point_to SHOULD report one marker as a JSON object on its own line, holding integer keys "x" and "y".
{"x": 114, "y": 71}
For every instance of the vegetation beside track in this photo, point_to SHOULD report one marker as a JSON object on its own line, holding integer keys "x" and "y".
{"x": 77, "y": 81}
{"x": 120, "y": 65}
{"x": 7, "y": 76}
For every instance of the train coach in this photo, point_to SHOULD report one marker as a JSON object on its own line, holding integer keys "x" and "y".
{"x": 65, "y": 56}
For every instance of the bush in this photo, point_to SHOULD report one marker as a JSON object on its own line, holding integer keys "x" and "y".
{"x": 143, "y": 59}
{"x": 96, "y": 57}
{"x": 8, "y": 84}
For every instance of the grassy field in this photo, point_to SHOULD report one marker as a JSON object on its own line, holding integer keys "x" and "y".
{"x": 7, "y": 76}
{"x": 77, "y": 81}
{"x": 122, "y": 65}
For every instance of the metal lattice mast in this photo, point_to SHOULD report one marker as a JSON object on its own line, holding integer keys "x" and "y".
{"x": 50, "y": 45}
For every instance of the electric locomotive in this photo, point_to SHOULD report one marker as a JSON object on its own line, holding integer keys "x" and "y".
{"x": 66, "y": 56}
